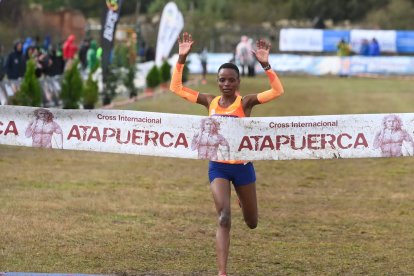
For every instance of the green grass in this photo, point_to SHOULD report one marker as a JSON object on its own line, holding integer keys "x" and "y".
{"x": 85, "y": 212}
{"x": 305, "y": 96}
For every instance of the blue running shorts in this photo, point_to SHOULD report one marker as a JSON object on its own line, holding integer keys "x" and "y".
{"x": 239, "y": 174}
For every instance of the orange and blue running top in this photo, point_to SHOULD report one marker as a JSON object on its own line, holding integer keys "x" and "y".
{"x": 233, "y": 110}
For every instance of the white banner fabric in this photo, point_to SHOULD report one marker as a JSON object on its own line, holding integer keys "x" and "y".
{"x": 301, "y": 40}
{"x": 214, "y": 138}
{"x": 387, "y": 39}
{"x": 313, "y": 65}
{"x": 171, "y": 24}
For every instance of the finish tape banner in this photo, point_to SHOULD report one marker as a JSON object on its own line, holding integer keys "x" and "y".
{"x": 214, "y": 138}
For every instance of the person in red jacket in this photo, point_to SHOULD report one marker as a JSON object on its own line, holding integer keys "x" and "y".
{"x": 69, "y": 50}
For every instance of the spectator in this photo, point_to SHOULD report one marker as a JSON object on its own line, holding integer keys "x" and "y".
{"x": 343, "y": 49}
{"x": 83, "y": 52}
{"x": 149, "y": 54}
{"x": 44, "y": 63}
{"x": 34, "y": 54}
{"x": 69, "y": 51}
{"x": 31, "y": 52}
{"x": 233, "y": 54}
{"x": 92, "y": 59}
{"x": 36, "y": 42}
{"x": 203, "y": 60}
{"x": 364, "y": 50}
{"x": 99, "y": 53}
{"x": 47, "y": 43}
{"x": 2, "y": 62}
{"x": 15, "y": 63}
{"x": 244, "y": 54}
{"x": 252, "y": 62}
{"x": 132, "y": 52}
{"x": 28, "y": 42}
{"x": 58, "y": 64}
{"x": 318, "y": 23}
{"x": 374, "y": 48}
{"x": 141, "y": 52}
{"x": 69, "y": 48}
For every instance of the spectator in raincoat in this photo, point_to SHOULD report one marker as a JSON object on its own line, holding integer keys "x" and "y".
{"x": 69, "y": 51}
{"x": 91, "y": 56}
{"x": 343, "y": 49}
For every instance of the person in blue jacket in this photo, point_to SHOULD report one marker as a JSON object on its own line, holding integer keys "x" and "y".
{"x": 16, "y": 62}
{"x": 374, "y": 48}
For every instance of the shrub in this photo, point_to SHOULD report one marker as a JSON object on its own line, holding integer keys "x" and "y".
{"x": 153, "y": 78}
{"x": 120, "y": 58}
{"x": 165, "y": 72}
{"x": 30, "y": 92}
{"x": 129, "y": 81}
{"x": 90, "y": 93}
{"x": 110, "y": 85}
{"x": 72, "y": 87}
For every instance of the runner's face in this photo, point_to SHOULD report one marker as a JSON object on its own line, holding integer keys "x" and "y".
{"x": 228, "y": 81}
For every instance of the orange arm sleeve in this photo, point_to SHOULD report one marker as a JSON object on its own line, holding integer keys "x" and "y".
{"x": 276, "y": 91}
{"x": 177, "y": 87}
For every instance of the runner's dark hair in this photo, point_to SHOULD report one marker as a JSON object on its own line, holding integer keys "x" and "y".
{"x": 229, "y": 65}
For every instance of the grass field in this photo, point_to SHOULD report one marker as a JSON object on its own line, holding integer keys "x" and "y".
{"x": 84, "y": 212}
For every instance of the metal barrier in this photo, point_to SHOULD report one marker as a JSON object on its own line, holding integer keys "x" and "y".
{"x": 51, "y": 88}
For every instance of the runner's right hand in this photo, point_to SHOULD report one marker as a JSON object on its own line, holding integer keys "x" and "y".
{"x": 185, "y": 44}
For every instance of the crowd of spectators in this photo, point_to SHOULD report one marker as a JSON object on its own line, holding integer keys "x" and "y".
{"x": 52, "y": 59}
{"x": 15, "y": 62}
{"x": 367, "y": 48}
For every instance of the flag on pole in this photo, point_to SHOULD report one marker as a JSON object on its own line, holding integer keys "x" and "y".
{"x": 171, "y": 24}
{"x": 110, "y": 19}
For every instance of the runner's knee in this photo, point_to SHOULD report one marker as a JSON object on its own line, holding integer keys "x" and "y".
{"x": 224, "y": 218}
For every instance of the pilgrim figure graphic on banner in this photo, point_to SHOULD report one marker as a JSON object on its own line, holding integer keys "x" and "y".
{"x": 43, "y": 130}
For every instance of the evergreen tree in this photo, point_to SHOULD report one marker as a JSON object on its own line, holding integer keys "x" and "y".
{"x": 153, "y": 78}
{"x": 129, "y": 81}
{"x": 165, "y": 72}
{"x": 90, "y": 93}
{"x": 72, "y": 87}
{"x": 120, "y": 58}
{"x": 110, "y": 85}
{"x": 30, "y": 92}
